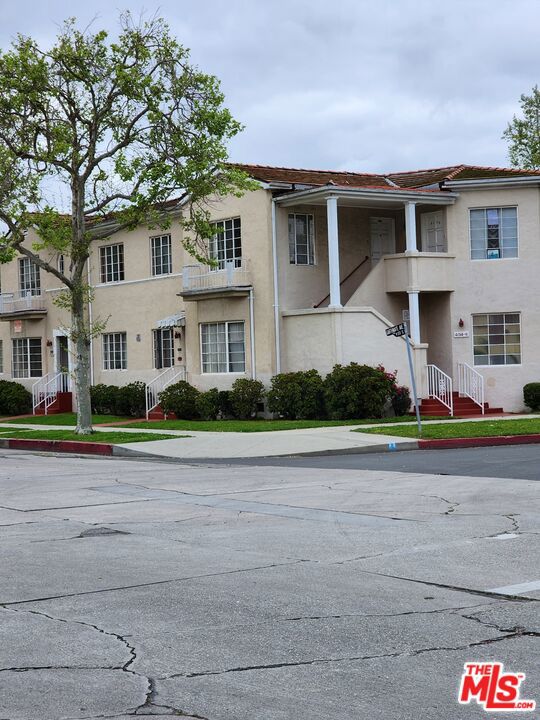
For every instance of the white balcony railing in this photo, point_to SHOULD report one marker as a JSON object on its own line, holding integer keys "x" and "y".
{"x": 203, "y": 277}
{"x": 20, "y": 302}
{"x": 471, "y": 384}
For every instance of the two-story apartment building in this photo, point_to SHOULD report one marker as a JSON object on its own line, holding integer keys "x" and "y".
{"x": 312, "y": 268}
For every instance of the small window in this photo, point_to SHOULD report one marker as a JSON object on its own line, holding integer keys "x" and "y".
{"x": 301, "y": 244}
{"x": 497, "y": 339}
{"x": 494, "y": 233}
{"x": 163, "y": 348}
{"x": 29, "y": 277}
{"x": 226, "y": 244}
{"x": 112, "y": 263}
{"x": 223, "y": 347}
{"x": 161, "y": 255}
{"x": 114, "y": 351}
{"x": 26, "y": 359}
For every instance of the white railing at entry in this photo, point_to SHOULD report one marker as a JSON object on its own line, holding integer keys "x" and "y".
{"x": 156, "y": 386}
{"x": 471, "y": 384}
{"x": 440, "y": 387}
{"x": 46, "y": 389}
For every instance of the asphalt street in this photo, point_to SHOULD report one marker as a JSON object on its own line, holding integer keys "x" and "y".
{"x": 136, "y": 589}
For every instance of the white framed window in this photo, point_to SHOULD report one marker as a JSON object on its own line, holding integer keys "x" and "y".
{"x": 301, "y": 239}
{"x": 115, "y": 351}
{"x": 112, "y": 263}
{"x": 26, "y": 359}
{"x": 163, "y": 340}
{"x": 494, "y": 233}
{"x": 29, "y": 277}
{"x": 497, "y": 339}
{"x": 226, "y": 244}
{"x": 223, "y": 347}
{"x": 161, "y": 255}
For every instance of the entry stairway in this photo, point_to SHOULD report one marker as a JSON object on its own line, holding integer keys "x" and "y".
{"x": 155, "y": 388}
{"x": 444, "y": 401}
{"x": 51, "y": 394}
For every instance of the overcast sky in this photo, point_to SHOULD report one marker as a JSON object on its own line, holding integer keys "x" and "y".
{"x": 373, "y": 85}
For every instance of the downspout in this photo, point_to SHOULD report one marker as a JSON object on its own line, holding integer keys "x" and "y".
{"x": 276, "y": 289}
{"x": 252, "y": 335}
{"x": 90, "y": 323}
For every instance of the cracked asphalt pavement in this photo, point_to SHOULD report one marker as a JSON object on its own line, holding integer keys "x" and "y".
{"x": 221, "y": 592}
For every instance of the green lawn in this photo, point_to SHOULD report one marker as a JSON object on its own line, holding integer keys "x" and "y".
{"x": 259, "y": 425}
{"x": 484, "y": 428}
{"x": 63, "y": 419}
{"x": 113, "y": 438}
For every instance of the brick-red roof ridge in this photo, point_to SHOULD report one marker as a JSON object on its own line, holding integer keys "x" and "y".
{"x": 308, "y": 170}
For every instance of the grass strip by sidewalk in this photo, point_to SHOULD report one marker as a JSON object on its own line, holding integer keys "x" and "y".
{"x": 485, "y": 428}
{"x": 111, "y": 438}
{"x": 63, "y": 419}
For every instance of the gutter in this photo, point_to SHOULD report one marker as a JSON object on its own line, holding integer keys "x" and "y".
{"x": 426, "y": 197}
{"x": 529, "y": 180}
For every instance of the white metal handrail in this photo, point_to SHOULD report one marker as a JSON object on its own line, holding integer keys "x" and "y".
{"x": 203, "y": 277}
{"x": 46, "y": 389}
{"x": 471, "y": 384}
{"x": 20, "y": 301}
{"x": 440, "y": 387}
{"x": 156, "y": 386}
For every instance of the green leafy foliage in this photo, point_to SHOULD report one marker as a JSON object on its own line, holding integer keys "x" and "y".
{"x": 14, "y": 398}
{"x": 531, "y": 395}
{"x": 131, "y": 400}
{"x": 401, "y": 400}
{"x": 245, "y": 395}
{"x": 104, "y": 399}
{"x": 208, "y": 404}
{"x": 297, "y": 395}
{"x": 357, "y": 391}
{"x": 181, "y": 399}
{"x": 523, "y": 133}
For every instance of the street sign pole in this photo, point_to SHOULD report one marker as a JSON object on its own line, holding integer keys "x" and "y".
{"x": 413, "y": 383}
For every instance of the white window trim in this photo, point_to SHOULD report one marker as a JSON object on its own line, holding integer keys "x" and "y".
{"x": 496, "y": 312}
{"x": 295, "y": 263}
{"x": 160, "y": 330}
{"x": 104, "y": 247}
{"x": 160, "y": 275}
{"x": 26, "y": 377}
{"x": 219, "y": 269}
{"x": 104, "y": 369}
{"x": 498, "y": 207}
{"x": 240, "y": 373}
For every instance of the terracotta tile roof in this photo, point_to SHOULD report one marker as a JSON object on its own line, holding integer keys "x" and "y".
{"x": 302, "y": 176}
{"x": 419, "y": 178}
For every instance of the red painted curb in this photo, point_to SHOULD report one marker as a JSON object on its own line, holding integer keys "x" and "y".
{"x": 478, "y": 442}
{"x": 67, "y": 446}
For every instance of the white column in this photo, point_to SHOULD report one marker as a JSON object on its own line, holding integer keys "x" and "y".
{"x": 414, "y": 316}
{"x": 333, "y": 252}
{"x": 410, "y": 227}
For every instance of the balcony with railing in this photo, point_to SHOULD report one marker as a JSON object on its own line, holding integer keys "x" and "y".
{"x": 200, "y": 281}
{"x": 22, "y": 305}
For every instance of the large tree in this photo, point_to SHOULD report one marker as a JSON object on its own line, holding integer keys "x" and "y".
{"x": 118, "y": 126}
{"x": 523, "y": 133}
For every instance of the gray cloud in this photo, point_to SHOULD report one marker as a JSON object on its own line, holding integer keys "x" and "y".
{"x": 374, "y": 85}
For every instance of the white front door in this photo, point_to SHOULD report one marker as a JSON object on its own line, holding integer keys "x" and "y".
{"x": 433, "y": 235}
{"x": 383, "y": 237}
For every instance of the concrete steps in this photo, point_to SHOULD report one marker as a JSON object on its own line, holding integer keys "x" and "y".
{"x": 62, "y": 404}
{"x": 463, "y": 407}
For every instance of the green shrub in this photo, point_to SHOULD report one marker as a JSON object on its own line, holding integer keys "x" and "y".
{"x": 131, "y": 399}
{"x": 245, "y": 395}
{"x": 14, "y": 398}
{"x": 104, "y": 399}
{"x": 181, "y": 399}
{"x": 297, "y": 395}
{"x": 224, "y": 403}
{"x": 401, "y": 400}
{"x": 207, "y": 404}
{"x": 357, "y": 391}
{"x": 531, "y": 395}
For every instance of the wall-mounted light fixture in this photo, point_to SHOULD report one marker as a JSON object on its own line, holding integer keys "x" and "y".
{"x": 49, "y": 343}
{"x": 461, "y": 322}
{"x": 177, "y": 335}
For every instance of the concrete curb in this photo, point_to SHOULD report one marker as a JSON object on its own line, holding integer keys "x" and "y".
{"x": 449, "y": 443}
{"x": 61, "y": 446}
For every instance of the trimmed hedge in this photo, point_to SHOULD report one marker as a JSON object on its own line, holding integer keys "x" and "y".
{"x": 531, "y": 395}
{"x": 357, "y": 391}
{"x": 297, "y": 395}
{"x": 245, "y": 395}
{"x": 15, "y": 399}
{"x": 208, "y": 404}
{"x": 128, "y": 400}
{"x": 181, "y": 399}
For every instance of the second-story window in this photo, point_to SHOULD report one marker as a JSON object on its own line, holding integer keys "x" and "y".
{"x": 29, "y": 278}
{"x": 301, "y": 240}
{"x": 112, "y": 263}
{"x": 494, "y": 233}
{"x": 226, "y": 244}
{"x": 161, "y": 255}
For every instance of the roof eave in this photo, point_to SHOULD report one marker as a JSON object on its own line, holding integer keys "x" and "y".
{"x": 435, "y": 198}
{"x": 526, "y": 180}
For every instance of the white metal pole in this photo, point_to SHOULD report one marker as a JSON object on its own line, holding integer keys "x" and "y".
{"x": 276, "y": 290}
{"x": 252, "y": 334}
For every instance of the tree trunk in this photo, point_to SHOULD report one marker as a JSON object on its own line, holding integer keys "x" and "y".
{"x": 81, "y": 338}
